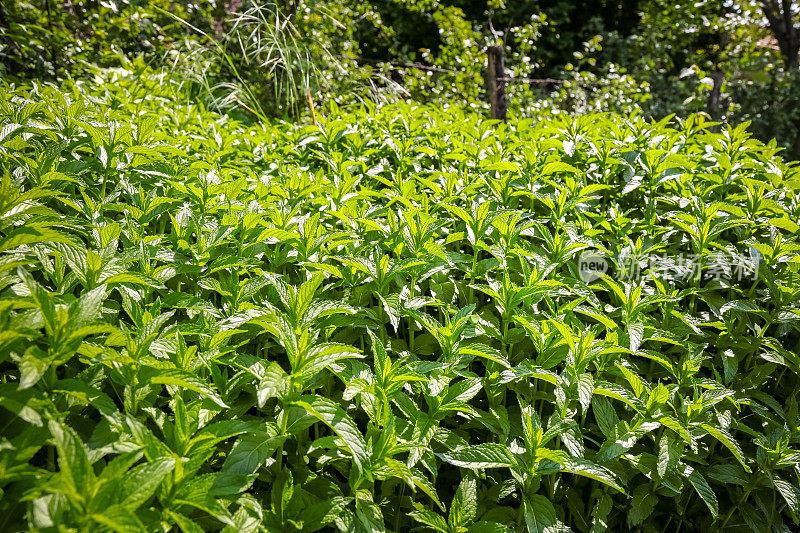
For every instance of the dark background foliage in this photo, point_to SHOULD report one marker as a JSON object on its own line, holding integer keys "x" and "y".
{"x": 736, "y": 60}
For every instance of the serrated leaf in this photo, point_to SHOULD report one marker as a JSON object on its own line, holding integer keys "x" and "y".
{"x": 726, "y": 439}
{"x": 73, "y": 461}
{"x": 120, "y": 519}
{"x": 464, "y": 507}
{"x": 791, "y": 495}
{"x": 540, "y": 515}
{"x": 141, "y": 482}
{"x": 242, "y": 464}
{"x": 186, "y": 380}
{"x": 485, "y": 455}
{"x": 335, "y": 417}
{"x": 703, "y": 489}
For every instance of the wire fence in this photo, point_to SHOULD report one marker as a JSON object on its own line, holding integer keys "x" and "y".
{"x": 429, "y": 68}
{"x": 495, "y": 79}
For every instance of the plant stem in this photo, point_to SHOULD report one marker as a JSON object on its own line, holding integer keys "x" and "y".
{"x": 397, "y": 511}
{"x": 739, "y": 503}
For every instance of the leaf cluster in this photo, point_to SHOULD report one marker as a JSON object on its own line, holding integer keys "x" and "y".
{"x": 380, "y": 322}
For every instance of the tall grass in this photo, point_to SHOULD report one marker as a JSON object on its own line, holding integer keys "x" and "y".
{"x": 261, "y": 62}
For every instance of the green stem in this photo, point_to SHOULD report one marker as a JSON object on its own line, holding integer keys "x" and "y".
{"x": 397, "y": 511}
{"x": 8, "y": 515}
{"x": 472, "y": 273}
{"x": 739, "y": 503}
{"x": 503, "y": 342}
{"x": 284, "y": 425}
{"x": 411, "y": 326}
{"x": 753, "y": 288}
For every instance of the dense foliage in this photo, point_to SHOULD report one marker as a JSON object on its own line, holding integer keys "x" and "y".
{"x": 736, "y": 60}
{"x": 384, "y": 322}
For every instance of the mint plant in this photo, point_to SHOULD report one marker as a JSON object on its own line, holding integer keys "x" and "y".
{"x": 382, "y": 322}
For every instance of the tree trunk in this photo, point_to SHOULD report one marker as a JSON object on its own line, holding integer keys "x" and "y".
{"x": 781, "y": 22}
{"x": 713, "y": 107}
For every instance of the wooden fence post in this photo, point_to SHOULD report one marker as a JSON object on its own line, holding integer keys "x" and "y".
{"x": 713, "y": 107}
{"x": 496, "y": 84}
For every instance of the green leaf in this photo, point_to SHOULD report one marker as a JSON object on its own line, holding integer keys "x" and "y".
{"x": 791, "y": 494}
{"x": 242, "y": 464}
{"x": 273, "y": 383}
{"x": 540, "y": 515}
{"x": 643, "y": 502}
{"x": 669, "y": 455}
{"x": 87, "y": 309}
{"x": 32, "y": 366}
{"x": 134, "y": 278}
{"x": 197, "y": 492}
{"x": 787, "y": 224}
{"x": 504, "y": 166}
{"x": 324, "y": 355}
{"x": 368, "y": 515}
{"x": 487, "y": 527}
{"x": 525, "y": 371}
{"x": 464, "y": 508}
{"x": 318, "y": 515}
{"x": 485, "y": 455}
{"x": 183, "y": 522}
{"x": 73, "y": 461}
{"x": 486, "y": 352}
{"x": 30, "y": 234}
{"x": 44, "y": 301}
{"x": 586, "y": 468}
{"x": 120, "y": 519}
{"x": 604, "y": 415}
{"x": 732, "y": 474}
{"x": 430, "y": 519}
{"x": 141, "y": 482}
{"x": 703, "y": 489}
{"x": 186, "y": 380}
{"x": 558, "y": 166}
{"x": 26, "y": 404}
{"x": 726, "y": 439}
{"x": 336, "y": 418}
{"x": 658, "y": 396}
